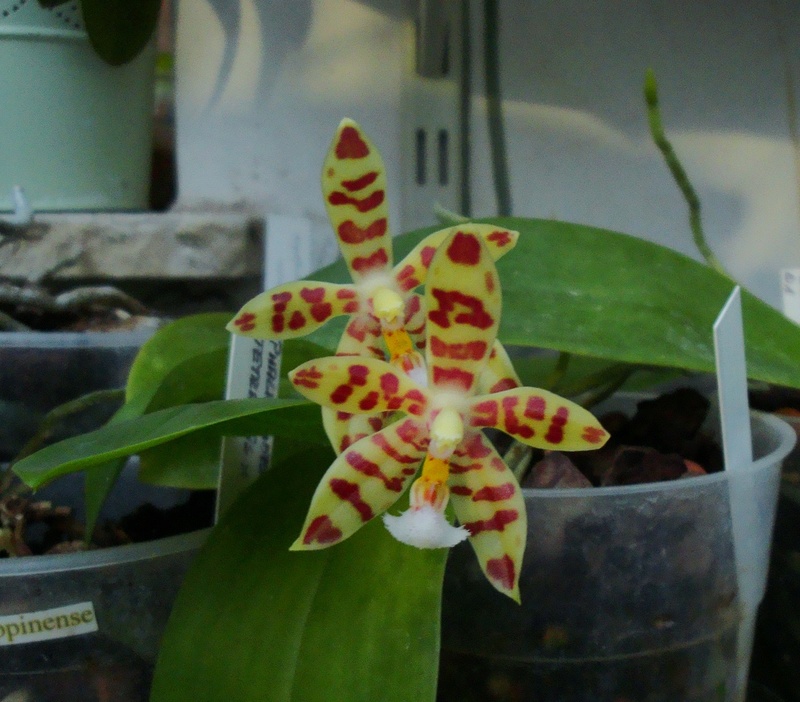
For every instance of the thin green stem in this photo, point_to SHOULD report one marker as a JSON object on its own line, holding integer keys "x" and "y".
{"x": 598, "y": 394}
{"x": 494, "y": 107}
{"x": 63, "y": 412}
{"x": 559, "y": 370}
{"x": 678, "y": 172}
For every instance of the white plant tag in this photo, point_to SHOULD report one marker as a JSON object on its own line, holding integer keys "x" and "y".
{"x": 737, "y": 448}
{"x": 790, "y": 293}
{"x": 734, "y": 407}
{"x": 254, "y": 365}
{"x": 46, "y": 624}
{"x": 254, "y": 368}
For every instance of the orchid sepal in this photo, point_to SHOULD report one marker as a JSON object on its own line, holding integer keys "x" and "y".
{"x": 363, "y": 482}
{"x": 354, "y": 188}
{"x": 294, "y": 309}
{"x": 498, "y": 374}
{"x": 488, "y": 503}
{"x": 463, "y": 303}
{"x": 359, "y": 385}
{"x": 412, "y": 271}
{"x": 538, "y": 418}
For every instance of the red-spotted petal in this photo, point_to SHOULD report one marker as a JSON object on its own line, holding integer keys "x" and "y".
{"x": 343, "y": 429}
{"x": 362, "y": 337}
{"x": 415, "y": 320}
{"x": 498, "y": 374}
{"x": 412, "y": 271}
{"x": 363, "y": 482}
{"x": 489, "y": 504}
{"x": 463, "y": 300}
{"x": 293, "y": 310}
{"x": 359, "y": 386}
{"x": 538, "y": 418}
{"x": 354, "y": 187}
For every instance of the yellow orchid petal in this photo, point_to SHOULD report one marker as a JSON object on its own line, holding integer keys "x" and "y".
{"x": 362, "y": 337}
{"x": 343, "y": 429}
{"x": 415, "y": 320}
{"x": 362, "y": 483}
{"x": 294, "y": 309}
{"x": 354, "y": 187}
{"x": 463, "y": 302}
{"x": 498, "y": 374}
{"x": 413, "y": 269}
{"x": 538, "y": 418}
{"x": 359, "y": 385}
{"x": 489, "y": 504}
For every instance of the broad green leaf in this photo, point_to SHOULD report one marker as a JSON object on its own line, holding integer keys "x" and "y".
{"x": 357, "y": 622}
{"x": 595, "y": 292}
{"x": 599, "y": 293}
{"x": 182, "y": 362}
{"x": 249, "y": 417}
{"x": 537, "y": 368}
{"x": 119, "y": 29}
{"x": 191, "y": 462}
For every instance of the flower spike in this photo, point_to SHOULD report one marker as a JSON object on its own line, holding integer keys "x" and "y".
{"x": 442, "y": 426}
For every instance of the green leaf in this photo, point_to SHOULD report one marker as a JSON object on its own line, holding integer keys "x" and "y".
{"x": 599, "y": 293}
{"x": 119, "y": 29}
{"x": 357, "y": 622}
{"x": 191, "y": 462}
{"x": 250, "y": 417}
{"x": 184, "y": 361}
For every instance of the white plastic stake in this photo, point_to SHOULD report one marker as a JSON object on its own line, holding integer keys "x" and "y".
{"x": 734, "y": 407}
{"x": 790, "y": 293}
{"x": 254, "y": 364}
{"x": 737, "y": 449}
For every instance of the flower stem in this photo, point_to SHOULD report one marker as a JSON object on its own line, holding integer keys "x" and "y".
{"x": 678, "y": 172}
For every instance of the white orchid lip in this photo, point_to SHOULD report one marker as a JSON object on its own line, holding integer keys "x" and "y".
{"x": 424, "y": 527}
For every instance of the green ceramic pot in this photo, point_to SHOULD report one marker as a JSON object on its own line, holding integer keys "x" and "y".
{"x": 76, "y": 132}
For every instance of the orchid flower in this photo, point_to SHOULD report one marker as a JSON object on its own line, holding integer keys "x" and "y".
{"x": 442, "y": 425}
{"x": 380, "y": 301}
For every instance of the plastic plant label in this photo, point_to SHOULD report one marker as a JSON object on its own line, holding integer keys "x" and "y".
{"x": 790, "y": 293}
{"x": 47, "y": 624}
{"x": 254, "y": 364}
{"x": 253, "y": 371}
{"x": 734, "y": 407}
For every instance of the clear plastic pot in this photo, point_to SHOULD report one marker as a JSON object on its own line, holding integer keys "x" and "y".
{"x": 41, "y": 370}
{"x": 86, "y": 627}
{"x": 628, "y": 593}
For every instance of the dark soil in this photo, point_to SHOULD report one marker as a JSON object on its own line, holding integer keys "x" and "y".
{"x": 663, "y": 440}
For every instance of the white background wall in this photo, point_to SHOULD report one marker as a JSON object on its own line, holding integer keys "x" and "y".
{"x": 259, "y": 99}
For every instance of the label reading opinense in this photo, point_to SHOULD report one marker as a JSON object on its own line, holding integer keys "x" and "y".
{"x": 58, "y": 623}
